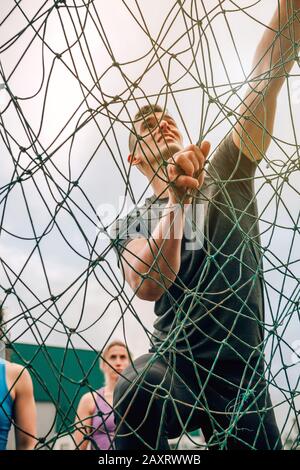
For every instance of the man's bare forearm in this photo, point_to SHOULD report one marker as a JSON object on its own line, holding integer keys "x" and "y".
{"x": 159, "y": 260}
{"x": 273, "y": 60}
{"x": 279, "y": 46}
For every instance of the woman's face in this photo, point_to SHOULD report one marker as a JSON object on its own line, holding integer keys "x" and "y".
{"x": 117, "y": 360}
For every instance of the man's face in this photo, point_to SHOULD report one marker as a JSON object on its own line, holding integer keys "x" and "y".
{"x": 161, "y": 138}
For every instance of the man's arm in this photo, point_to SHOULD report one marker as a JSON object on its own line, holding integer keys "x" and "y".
{"x": 273, "y": 60}
{"x": 151, "y": 266}
{"x": 24, "y": 411}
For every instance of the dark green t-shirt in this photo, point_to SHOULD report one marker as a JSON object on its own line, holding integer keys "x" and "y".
{"x": 215, "y": 305}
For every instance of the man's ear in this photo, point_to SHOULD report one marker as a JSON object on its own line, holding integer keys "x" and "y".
{"x": 133, "y": 160}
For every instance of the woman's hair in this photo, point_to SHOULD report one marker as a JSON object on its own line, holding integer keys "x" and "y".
{"x": 111, "y": 345}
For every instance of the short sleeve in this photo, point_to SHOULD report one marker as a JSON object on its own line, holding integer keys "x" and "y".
{"x": 118, "y": 242}
{"x": 231, "y": 167}
{"x": 126, "y": 229}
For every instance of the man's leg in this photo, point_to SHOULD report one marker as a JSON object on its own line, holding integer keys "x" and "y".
{"x": 239, "y": 409}
{"x": 256, "y": 427}
{"x": 140, "y": 405}
{"x": 151, "y": 403}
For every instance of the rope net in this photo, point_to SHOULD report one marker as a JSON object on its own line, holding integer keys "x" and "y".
{"x": 73, "y": 75}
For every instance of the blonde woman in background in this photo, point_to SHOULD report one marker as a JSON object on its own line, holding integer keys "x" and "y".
{"x": 95, "y": 417}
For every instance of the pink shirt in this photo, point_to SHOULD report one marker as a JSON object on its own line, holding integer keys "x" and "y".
{"x": 103, "y": 423}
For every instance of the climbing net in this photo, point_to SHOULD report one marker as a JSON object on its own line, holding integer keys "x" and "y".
{"x": 73, "y": 74}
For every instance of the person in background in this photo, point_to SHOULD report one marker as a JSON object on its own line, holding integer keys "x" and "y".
{"x": 95, "y": 417}
{"x": 17, "y": 404}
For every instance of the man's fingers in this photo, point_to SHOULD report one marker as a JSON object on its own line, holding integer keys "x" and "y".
{"x": 186, "y": 169}
{"x": 205, "y": 148}
{"x": 193, "y": 157}
{"x": 183, "y": 164}
{"x": 195, "y": 152}
{"x": 184, "y": 181}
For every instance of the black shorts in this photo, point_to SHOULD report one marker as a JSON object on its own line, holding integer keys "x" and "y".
{"x": 162, "y": 397}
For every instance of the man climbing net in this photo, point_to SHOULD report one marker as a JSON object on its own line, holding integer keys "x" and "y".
{"x": 226, "y": 304}
{"x": 206, "y": 364}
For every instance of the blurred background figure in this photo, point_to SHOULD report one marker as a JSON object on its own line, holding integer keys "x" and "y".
{"x": 95, "y": 418}
{"x": 17, "y": 404}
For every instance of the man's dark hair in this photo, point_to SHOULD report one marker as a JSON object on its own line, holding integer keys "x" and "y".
{"x": 142, "y": 113}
